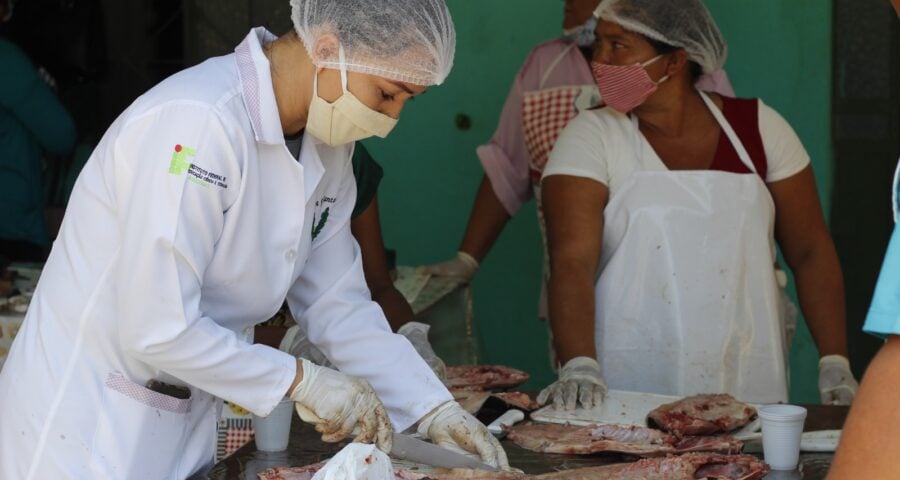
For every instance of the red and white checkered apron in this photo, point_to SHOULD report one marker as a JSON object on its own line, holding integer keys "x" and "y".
{"x": 544, "y": 115}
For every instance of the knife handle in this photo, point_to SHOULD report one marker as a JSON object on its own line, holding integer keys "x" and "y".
{"x": 508, "y": 419}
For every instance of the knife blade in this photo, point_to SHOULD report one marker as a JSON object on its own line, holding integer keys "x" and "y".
{"x": 418, "y": 451}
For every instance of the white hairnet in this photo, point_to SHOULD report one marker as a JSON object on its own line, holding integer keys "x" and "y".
{"x": 410, "y": 41}
{"x": 684, "y": 24}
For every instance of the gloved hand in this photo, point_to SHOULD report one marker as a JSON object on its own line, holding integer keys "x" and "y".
{"x": 417, "y": 334}
{"x": 580, "y": 381}
{"x": 336, "y": 404}
{"x": 462, "y": 267}
{"x": 455, "y": 429}
{"x": 297, "y": 344}
{"x": 836, "y": 383}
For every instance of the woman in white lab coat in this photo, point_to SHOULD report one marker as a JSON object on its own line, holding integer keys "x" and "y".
{"x": 191, "y": 223}
{"x": 663, "y": 208}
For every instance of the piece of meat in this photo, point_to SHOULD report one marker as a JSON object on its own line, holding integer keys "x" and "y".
{"x": 702, "y": 415}
{"x": 632, "y": 440}
{"x": 709, "y": 443}
{"x": 691, "y": 466}
{"x": 472, "y": 401}
{"x": 467, "y": 474}
{"x": 307, "y": 472}
{"x": 519, "y": 400}
{"x": 484, "y": 377}
{"x": 289, "y": 473}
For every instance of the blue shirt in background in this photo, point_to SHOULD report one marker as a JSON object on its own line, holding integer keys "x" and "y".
{"x": 32, "y": 120}
{"x": 884, "y": 313}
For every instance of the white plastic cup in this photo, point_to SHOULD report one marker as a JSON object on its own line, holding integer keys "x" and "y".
{"x": 782, "y": 427}
{"x": 273, "y": 432}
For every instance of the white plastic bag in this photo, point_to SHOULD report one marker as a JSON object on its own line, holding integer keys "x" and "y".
{"x": 357, "y": 461}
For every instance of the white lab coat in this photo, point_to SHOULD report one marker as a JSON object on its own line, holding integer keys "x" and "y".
{"x": 165, "y": 262}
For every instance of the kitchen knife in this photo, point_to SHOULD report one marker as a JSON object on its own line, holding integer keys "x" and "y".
{"x": 814, "y": 441}
{"x": 417, "y": 451}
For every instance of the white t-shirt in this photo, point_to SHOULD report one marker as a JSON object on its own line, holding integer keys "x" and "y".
{"x": 600, "y": 145}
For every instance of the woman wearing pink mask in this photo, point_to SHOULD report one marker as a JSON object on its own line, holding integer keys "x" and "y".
{"x": 663, "y": 208}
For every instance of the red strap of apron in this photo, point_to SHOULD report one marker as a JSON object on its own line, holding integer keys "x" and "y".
{"x": 743, "y": 115}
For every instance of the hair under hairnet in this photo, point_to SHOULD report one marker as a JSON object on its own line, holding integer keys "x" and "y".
{"x": 410, "y": 41}
{"x": 684, "y": 24}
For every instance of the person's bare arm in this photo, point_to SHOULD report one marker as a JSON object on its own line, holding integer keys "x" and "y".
{"x": 486, "y": 222}
{"x": 366, "y": 229}
{"x": 573, "y": 209}
{"x": 809, "y": 250}
{"x": 870, "y": 438}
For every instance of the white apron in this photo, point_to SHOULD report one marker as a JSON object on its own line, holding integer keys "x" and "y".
{"x": 545, "y": 113}
{"x": 686, "y": 301}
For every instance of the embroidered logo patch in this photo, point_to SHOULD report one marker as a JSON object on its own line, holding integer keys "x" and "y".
{"x": 318, "y": 226}
{"x": 181, "y": 165}
{"x": 323, "y": 218}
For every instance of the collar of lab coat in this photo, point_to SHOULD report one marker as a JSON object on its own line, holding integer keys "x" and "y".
{"x": 256, "y": 85}
{"x": 259, "y": 100}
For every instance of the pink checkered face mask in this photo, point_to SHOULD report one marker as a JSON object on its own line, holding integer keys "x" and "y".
{"x": 625, "y": 87}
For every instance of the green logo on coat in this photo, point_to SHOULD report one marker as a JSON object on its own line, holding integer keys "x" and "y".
{"x": 180, "y": 163}
{"x": 317, "y": 227}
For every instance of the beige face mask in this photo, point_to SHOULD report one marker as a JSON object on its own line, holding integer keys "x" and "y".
{"x": 347, "y": 119}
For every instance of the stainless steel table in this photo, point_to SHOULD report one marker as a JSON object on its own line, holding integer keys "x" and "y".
{"x": 305, "y": 448}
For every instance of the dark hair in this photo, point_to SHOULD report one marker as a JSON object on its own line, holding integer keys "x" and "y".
{"x": 663, "y": 48}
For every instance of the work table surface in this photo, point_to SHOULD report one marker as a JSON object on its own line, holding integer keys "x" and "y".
{"x": 306, "y": 448}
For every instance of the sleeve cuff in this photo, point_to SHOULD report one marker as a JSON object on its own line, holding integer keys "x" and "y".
{"x": 508, "y": 184}
{"x": 288, "y": 369}
{"x": 574, "y": 172}
{"x": 777, "y": 177}
{"x": 881, "y": 324}
{"x": 411, "y": 417}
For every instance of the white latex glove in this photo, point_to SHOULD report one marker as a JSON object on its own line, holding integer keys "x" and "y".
{"x": 297, "y": 344}
{"x": 336, "y": 404}
{"x": 462, "y": 267}
{"x": 580, "y": 381}
{"x": 836, "y": 383}
{"x": 456, "y": 429}
{"x": 417, "y": 334}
